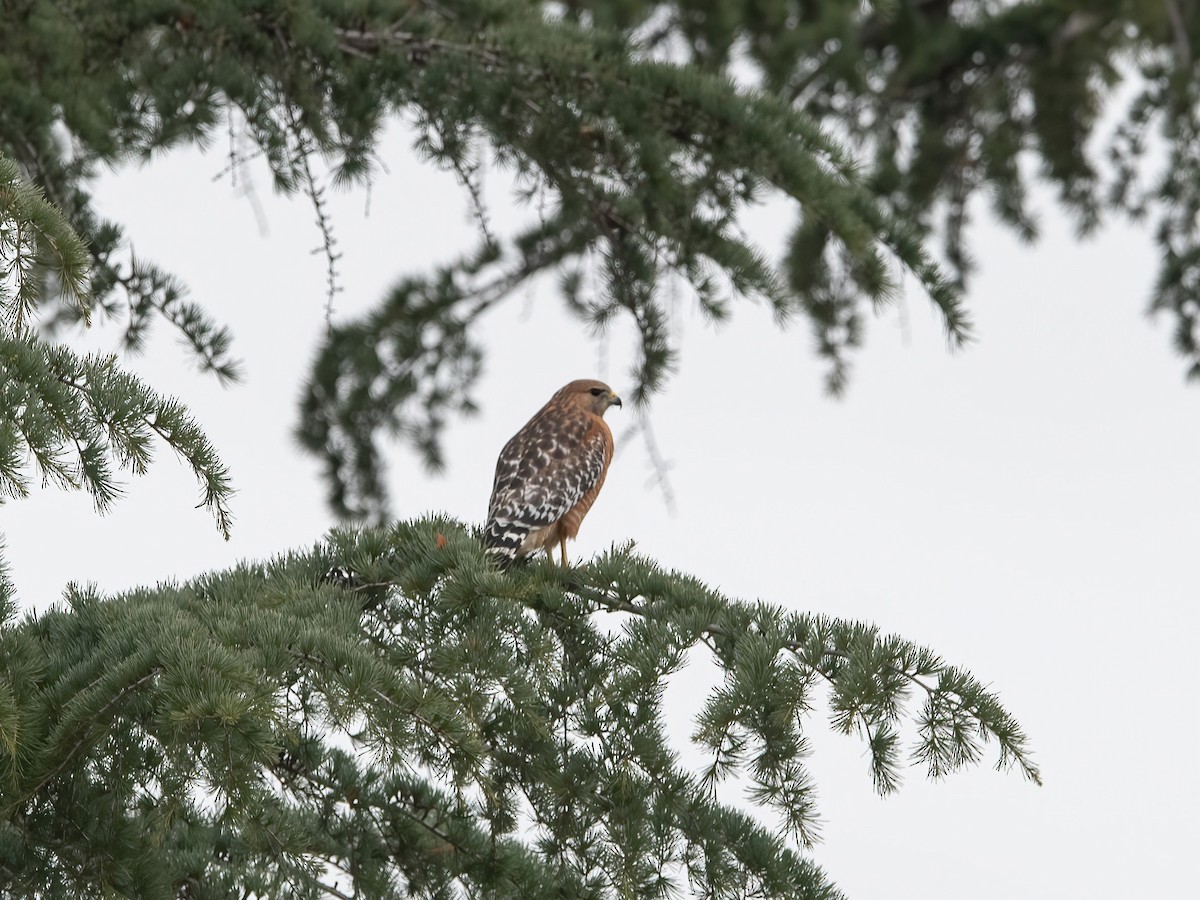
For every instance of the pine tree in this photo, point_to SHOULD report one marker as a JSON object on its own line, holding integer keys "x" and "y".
{"x": 390, "y": 715}
{"x": 386, "y": 712}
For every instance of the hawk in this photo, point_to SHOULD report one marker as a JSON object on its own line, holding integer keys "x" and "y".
{"x": 548, "y": 475}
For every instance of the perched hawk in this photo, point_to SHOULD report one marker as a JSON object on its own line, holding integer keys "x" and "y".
{"x": 548, "y": 475}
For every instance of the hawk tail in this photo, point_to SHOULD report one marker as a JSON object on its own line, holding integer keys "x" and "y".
{"x": 503, "y": 541}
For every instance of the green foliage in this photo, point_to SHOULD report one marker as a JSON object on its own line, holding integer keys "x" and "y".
{"x": 67, "y": 419}
{"x": 953, "y": 106}
{"x": 389, "y": 713}
{"x": 416, "y": 722}
{"x": 77, "y": 417}
{"x": 35, "y": 242}
{"x": 885, "y": 125}
{"x": 400, "y": 371}
{"x": 66, "y": 106}
{"x": 638, "y": 164}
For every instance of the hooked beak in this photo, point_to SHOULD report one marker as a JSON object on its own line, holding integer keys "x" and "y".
{"x": 613, "y": 399}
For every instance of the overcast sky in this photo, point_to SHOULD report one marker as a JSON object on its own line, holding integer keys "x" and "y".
{"x": 1028, "y": 507}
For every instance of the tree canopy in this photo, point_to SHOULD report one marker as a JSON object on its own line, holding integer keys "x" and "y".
{"x": 639, "y": 132}
{"x": 389, "y": 714}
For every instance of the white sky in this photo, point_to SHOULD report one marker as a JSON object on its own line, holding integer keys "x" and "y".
{"x": 1028, "y": 508}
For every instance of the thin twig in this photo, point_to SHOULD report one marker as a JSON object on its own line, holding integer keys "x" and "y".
{"x": 1179, "y": 32}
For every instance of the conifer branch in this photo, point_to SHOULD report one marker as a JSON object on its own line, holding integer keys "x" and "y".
{"x": 65, "y": 756}
{"x": 960, "y": 695}
{"x": 503, "y": 738}
{"x": 53, "y": 400}
{"x": 942, "y": 101}
{"x": 316, "y": 195}
{"x": 149, "y": 289}
{"x": 35, "y": 238}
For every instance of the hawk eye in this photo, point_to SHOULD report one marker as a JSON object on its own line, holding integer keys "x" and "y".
{"x": 596, "y": 392}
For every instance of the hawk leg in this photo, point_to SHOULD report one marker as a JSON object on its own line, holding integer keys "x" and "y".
{"x": 562, "y": 546}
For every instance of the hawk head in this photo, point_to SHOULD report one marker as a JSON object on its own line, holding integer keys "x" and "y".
{"x": 594, "y": 396}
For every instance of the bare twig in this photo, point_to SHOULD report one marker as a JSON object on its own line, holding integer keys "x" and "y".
{"x": 1179, "y": 32}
